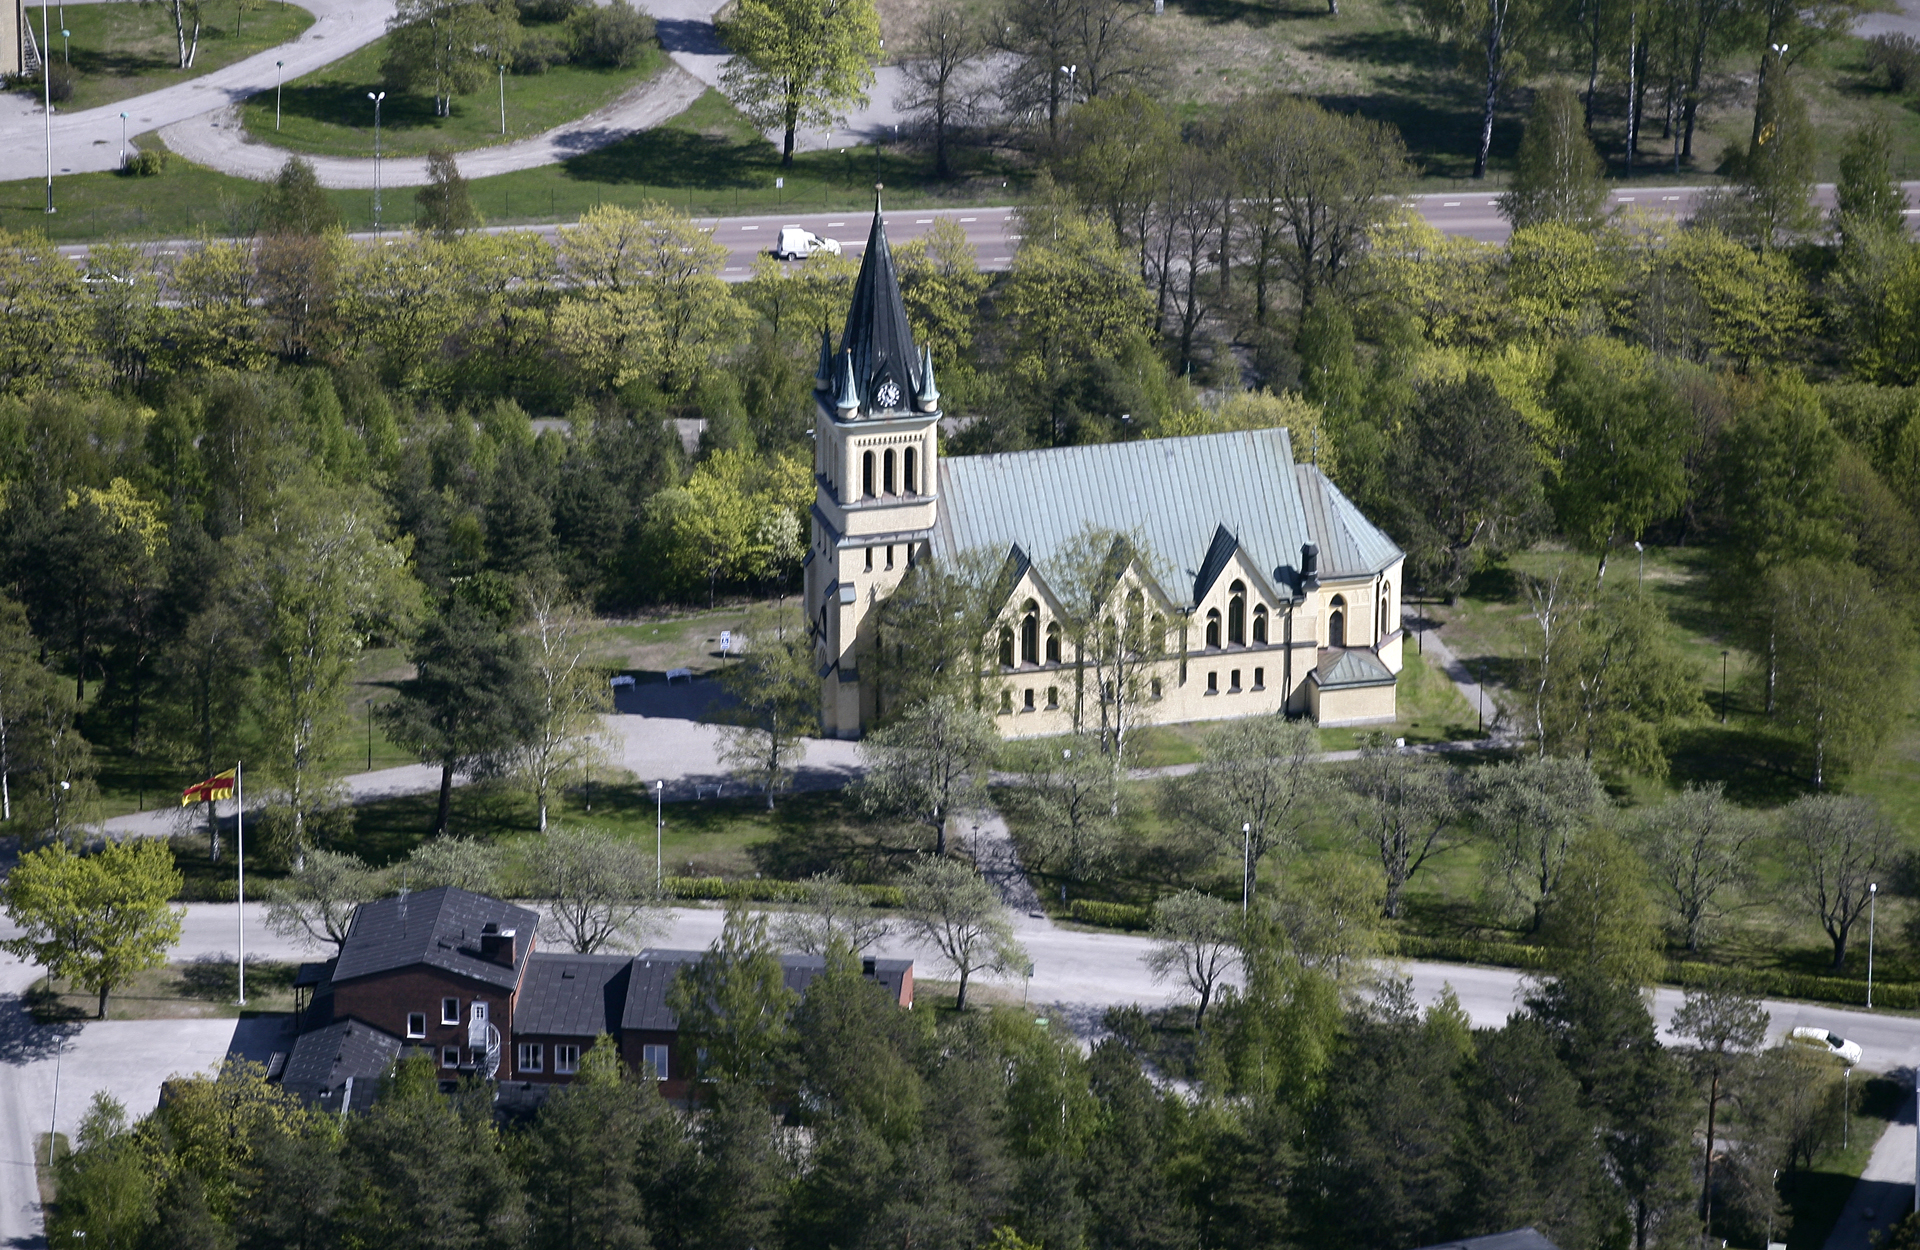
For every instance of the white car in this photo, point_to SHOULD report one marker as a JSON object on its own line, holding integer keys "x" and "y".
{"x": 1848, "y": 1052}
{"x": 797, "y": 244}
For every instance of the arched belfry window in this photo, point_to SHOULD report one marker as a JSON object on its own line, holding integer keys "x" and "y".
{"x": 1259, "y": 624}
{"x": 1053, "y": 642}
{"x": 1237, "y": 614}
{"x": 1337, "y": 622}
{"x": 1386, "y": 609}
{"x": 909, "y": 480}
{"x": 1006, "y": 648}
{"x": 1213, "y": 629}
{"x": 866, "y": 474}
{"x": 1030, "y": 633}
{"x": 886, "y": 479}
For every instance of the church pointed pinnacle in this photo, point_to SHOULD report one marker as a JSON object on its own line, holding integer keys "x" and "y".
{"x": 823, "y": 376}
{"x": 929, "y": 397}
{"x": 848, "y": 400}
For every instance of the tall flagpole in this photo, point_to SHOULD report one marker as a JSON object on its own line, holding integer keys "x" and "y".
{"x": 240, "y": 858}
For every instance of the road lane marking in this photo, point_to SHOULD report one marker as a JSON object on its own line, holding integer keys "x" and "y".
{"x": 1001, "y": 258}
{"x": 749, "y": 227}
{"x": 962, "y": 219}
{"x": 1451, "y": 204}
{"x": 832, "y": 224}
{"x": 924, "y": 221}
{"x": 1626, "y": 199}
{"x": 1669, "y": 197}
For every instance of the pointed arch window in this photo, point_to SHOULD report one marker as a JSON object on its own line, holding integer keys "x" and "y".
{"x": 1237, "y": 614}
{"x": 1030, "y": 633}
{"x": 866, "y": 474}
{"x": 909, "y": 480}
{"x": 1006, "y": 648}
{"x": 1259, "y": 624}
{"x": 1213, "y": 629}
{"x": 1337, "y": 622}
{"x": 1053, "y": 642}
{"x": 1386, "y": 609}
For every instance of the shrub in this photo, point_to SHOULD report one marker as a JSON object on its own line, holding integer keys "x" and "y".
{"x": 760, "y": 890}
{"x": 1897, "y": 57}
{"x": 1110, "y": 915}
{"x": 59, "y": 83}
{"x": 612, "y": 36}
{"x": 148, "y": 163}
{"x": 549, "y": 10}
{"x": 537, "y": 52}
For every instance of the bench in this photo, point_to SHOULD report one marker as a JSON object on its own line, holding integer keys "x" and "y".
{"x": 679, "y": 672}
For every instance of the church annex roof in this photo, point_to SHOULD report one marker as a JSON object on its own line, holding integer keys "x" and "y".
{"x": 878, "y": 338}
{"x": 1178, "y": 493}
{"x": 1353, "y": 666}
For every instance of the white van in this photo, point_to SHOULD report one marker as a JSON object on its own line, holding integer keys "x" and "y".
{"x": 797, "y": 244}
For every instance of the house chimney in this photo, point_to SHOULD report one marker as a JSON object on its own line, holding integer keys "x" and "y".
{"x": 496, "y": 944}
{"x": 1309, "y": 567}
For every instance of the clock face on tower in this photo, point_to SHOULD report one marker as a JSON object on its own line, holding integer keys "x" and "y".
{"x": 888, "y": 396}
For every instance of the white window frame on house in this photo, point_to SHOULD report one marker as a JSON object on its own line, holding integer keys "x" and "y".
{"x": 656, "y": 1056}
{"x": 449, "y": 1056}
{"x": 449, "y": 1011}
{"x": 530, "y": 1058}
{"x": 416, "y": 1024}
{"x": 566, "y": 1058}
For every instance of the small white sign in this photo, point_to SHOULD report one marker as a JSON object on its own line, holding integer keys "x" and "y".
{"x": 726, "y": 641}
{"x": 779, "y": 183}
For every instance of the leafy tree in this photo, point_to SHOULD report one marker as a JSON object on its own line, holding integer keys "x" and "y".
{"x": 1835, "y": 849}
{"x": 1621, "y": 683}
{"x": 212, "y": 1123}
{"x": 1069, "y": 820}
{"x": 1328, "y": 911}
{"x": 107, "y": 1183}
{"x": 94, "y": 920}
{"x": 598, "y": 887}
{"x": 1845, "y": 658}
{"x": 1624, "y": 440}
{"x": 1699, "y": 847}
{"x": 831, "y": 915}
{"x": 1104, "y": 41}
{"x": 941, "y": 285}
{"x": 471, "y": 701}
{"x": 1603, "y": 923}
{"x": 1131, "y": 1199}
{"x": 1557, "y": 177}
{"x": 940, "y": 628}
{"x": 1869, "y": 203}
{"x": 1468, "y": 480}
{"x": 446, "y": 207}
{"x": 1774, "y": 176}
{"x": 1744, "y": 306}
{"x": 1316, "y": 185}
{"x": 1256, "y": 787}
{"x": 612, "y": 36}
{"x": 295, "y": 202}
{"x": 569, "y": 694}
{"x": 1195, "y": 938}
{"x": 953, "y": 909}
{"x": 1401, "y": 807}
{"x": 44, "y": 341}
{"x": 445, "y": 48}
{"x": 800, "y": 62}
{"x": 775, "y": 702}
{"x": 1724, "y": 1025}
{"x": 929, "y": 764}
{"x": 944, "y": 46}
{"x": 1530, "y": 811}
{"x": 1493, "y": 39}
{"x": 734, "y": 1007}
{"x": 315, "y": 904}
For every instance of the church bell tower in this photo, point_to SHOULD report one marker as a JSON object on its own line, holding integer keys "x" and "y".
{"x": 875, "y": 443}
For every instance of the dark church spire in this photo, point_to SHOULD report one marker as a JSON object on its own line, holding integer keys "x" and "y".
{"x": 878, "y": 340}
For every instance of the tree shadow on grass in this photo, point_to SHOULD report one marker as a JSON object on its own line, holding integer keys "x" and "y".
{"x": 826, "y": 832}
{"x": 214, "y": 979}
{"x": 677, "y": 158}
{"x": 1758, "y": 769}
{"x": 1257, "y": 15}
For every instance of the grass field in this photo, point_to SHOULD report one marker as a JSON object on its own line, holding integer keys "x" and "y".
{"x": 197, "y": 990}
{"x": 122, "y": 50}
{"x": 327, "y": 112}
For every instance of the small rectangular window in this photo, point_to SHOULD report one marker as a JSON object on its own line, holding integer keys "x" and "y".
{"x": 655, "y": 1057}
{"x": 1029, "y": 699}
{"x": 889, "y": 555}
{"x": 1233, "y": 680}
{"x": 449, "y": 1056}
{"x": 416, "y": 1024}
{"x": 1259, "y": 679}
{"x": 1156, "y": 687}
{"x": 1053, "y": 696}
{"x": 1006, "y": 703}
{"x": 449, "y": 1011}
{"x": 869, "y": 559}
{"x": 1213, "y": 683}
{"x": 479, "y": 1011}
{"x": 530, "y": 1056}
{"x": 566, "y": 1058}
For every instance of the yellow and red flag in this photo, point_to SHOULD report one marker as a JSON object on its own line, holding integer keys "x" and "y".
{"x": 218, "y": 786}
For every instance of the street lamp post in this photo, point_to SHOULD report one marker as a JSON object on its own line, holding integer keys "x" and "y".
{"x": 1643, "y": 562}
{"x": 277, "y": 66}
{"x": 123, "y": 140}
{"x": 376, "y": 97}
{"x": 46, "y": 83}
{"x": 1246, "y": 865}
{"x": 659, "y": 833}
{"x": 1873, "y": 905}
{"x": 1723, "y": 687}
{"x": 503, "y": 97}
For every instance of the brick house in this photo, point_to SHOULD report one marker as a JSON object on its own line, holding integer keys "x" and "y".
{"x": 458, "y": 974}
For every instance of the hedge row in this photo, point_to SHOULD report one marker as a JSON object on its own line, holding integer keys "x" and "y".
{"x": 1110, "y": 915}
{"x": 762, "y": 890}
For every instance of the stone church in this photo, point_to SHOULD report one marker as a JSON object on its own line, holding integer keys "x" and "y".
{"x": 1267, "y": 588}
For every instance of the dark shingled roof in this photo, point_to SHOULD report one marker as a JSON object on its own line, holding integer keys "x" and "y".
{"x": 439, "y": 928}
{"x": 1518, "y": 1239}
{"x": 572, "y": 995}
{"x": 654, "y": 971}
{"x": 323, "y": 1060}
{"x": 877, "y": 333}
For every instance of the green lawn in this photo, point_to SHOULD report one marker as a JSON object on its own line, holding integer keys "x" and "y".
{"x": 122, "y": 50}
{"x": 327, "y": 112}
